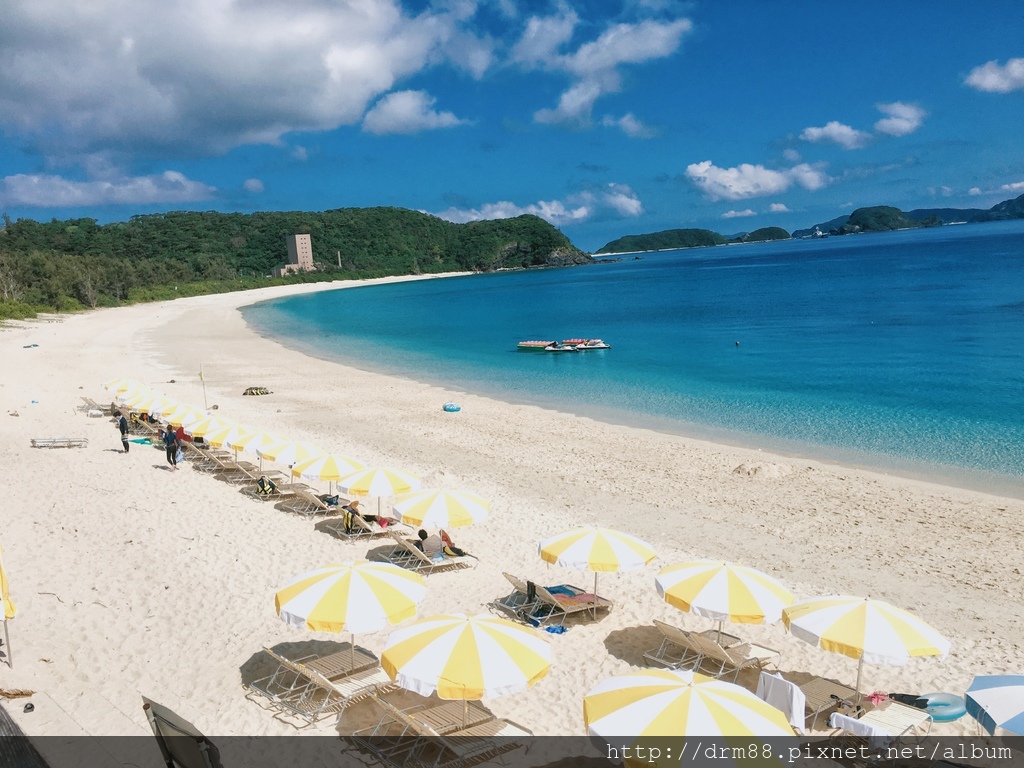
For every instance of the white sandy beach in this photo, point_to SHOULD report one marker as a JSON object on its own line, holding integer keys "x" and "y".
{"x": 133, "y": 580}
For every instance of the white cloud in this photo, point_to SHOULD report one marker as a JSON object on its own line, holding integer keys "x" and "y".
{"x": 778, "y": 208}
{"x": 252, "y": 185}
{"x": 748, "y": 180}
{"x": 543, "y": 37}
{"x": 996, "y": 79}
{"x": 738, "y": 214}
{"x": 616, "y": 200}
{"x": 629, "y": 125}
{"x": 902, "y": 118}
{"x": 553, "y": 211}
{"x": 792, "y": 155}
{"x": 204, "y": 76}
{"x": 1014, "y": 188}
{"x": 300, "y": 153}
{"x": 838, "y": 133}
{"x": 622, "y": 199}
{"x": 407, "y": 112}
{"x": 593, "y": 65}
{"x": 51, "y": 191}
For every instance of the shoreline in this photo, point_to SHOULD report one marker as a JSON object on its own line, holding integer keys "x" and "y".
{"x": 840, "y": 457}
{"x": 166, "y": 579}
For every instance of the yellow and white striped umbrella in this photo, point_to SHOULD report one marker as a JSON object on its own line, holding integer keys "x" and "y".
{"x": 674, "y": 702}
{"x": 359, "y": 596}
{"x": 130, "y": 397}
{"x": 865, "y": 629}
{"x": 379, "y": 481}
{"x": 150, "y": 402}
{"x": 596, "y": 549}
{"x": 289, "y": 452}
{"x": 227, "y": 433}
{"x": 441, "y": 509}
{"x": 205, "y": 426}
{"x": 330, "y": 467}
{"x": 466, "y": 657}
{"x": 184, "y": 414}
{"x": 121, "y": 384}
{"x": 723, "y": 591}
{"x": 7, "y": 608}
{"x": 253, "y": 441}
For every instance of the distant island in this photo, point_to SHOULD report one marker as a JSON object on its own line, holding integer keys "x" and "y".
{"x": 879, "y": 218}
{"x": 75, "y": 264}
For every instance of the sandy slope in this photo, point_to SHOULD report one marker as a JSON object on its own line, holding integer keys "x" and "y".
{"x": 132, "y": 580}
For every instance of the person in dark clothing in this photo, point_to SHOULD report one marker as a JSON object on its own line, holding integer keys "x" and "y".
{"x": 122, "y": 427}
{"x": 171, "y": 444}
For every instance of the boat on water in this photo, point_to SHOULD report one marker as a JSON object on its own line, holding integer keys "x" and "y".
{"x": 568, "y": 345}
{"x": 534, "y": 346}
{"x": 582, "y": 344}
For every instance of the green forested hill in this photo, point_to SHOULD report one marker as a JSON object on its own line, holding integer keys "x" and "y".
{"x": 669, "y": 238}
{"x": 762, "y": 235}
{"x": 75, "y": 263}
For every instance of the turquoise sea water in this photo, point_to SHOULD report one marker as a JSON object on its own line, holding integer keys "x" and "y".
{"x": 902, "y": 351}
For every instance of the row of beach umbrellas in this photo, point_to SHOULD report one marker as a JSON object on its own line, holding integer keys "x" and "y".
{"x": 417, "y": 507}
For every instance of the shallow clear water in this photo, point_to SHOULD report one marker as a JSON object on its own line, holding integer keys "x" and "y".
{"x": 900, "y": 350}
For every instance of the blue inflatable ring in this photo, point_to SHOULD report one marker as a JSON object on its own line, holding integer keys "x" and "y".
{"x": 945, "y": 707}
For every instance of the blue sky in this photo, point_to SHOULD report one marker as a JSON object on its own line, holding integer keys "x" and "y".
{"x": 606, "y": 118}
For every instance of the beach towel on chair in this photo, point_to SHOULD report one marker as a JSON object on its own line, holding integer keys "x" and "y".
{"x": 265, "y": 486}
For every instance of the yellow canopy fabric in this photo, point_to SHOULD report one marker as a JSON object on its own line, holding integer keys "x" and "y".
{"x": 358, "y": 596}
{"x": 207, "y": 425}
{"x": 378, "y": 481}
{"x": 441, "y": 509}
{"x": 466, "y": 657}
{"x": 596, "y": 549}
{"x": 227, "y": 433}
{"x": 676, "y": 702}
{"x": 861, "y": 628}
{"x": 289, "y": 452}
{"x": 10, "y": 609}
{"x": 253, "y": 441}
{"x": 121, "y": 384}
{"x": 329, "y": 467}
{"x": 724, "y": 591}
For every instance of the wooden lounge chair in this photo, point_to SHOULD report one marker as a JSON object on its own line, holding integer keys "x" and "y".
{"x": 549, "y": 607}
{"x": 60, "y": 442}
{"x": 439, "y": 737}
{"x": 719, "y": 661}
{"x": 361, "y": 528}
{"x": 517, "y": 600}
{"x": 890, "y": 723}
{"x": 899, "y": 720}
{"x": 89, "y": 406}
{"x": 677, "y": 649}
{"x": 406, "y": 554}
{"x": 281, "y": 492}
{"x": 824, "y": 695}
{"x": 313, "y": 687}
{"x": 181, "y": 744}
{"x": 304, "y": 502}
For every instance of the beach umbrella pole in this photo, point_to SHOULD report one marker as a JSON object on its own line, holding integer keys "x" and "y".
{"x": 860, "y": 670}
{"x": 7, "y": 644}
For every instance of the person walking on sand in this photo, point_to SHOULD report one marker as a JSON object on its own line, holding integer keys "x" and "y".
{"x": 122, "y": 427}
{"x": 171, "y": 444}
